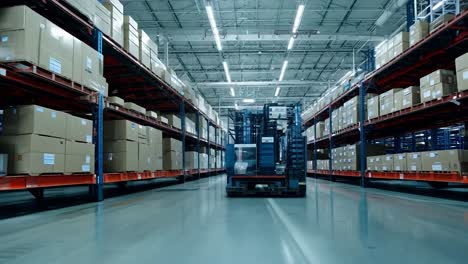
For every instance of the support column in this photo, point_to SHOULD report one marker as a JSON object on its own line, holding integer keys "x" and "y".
{"x": 98, "y": 124}
{"x": 197, "y": 127}
{"x": 362, "y": 133}
{"x": 182, "y": 122}
{"x": 330, "y": 137}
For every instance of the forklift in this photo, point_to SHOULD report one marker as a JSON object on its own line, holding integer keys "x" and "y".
{"x": 268, "y": 157}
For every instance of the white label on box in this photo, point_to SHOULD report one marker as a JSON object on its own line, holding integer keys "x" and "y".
{"x": 388, "y": 158}
{"x": 465, "y": 75}
{"x": 436, "y": 167}
{"x": 83, "y": 122}
{"x": 4, "y": 38}
{"x": 89, "y": 64}
{"x": 85, "y": 168}
{"x": 413, "y": 167}
{"x": 53, "y": 114}
{"x": 55, "y": 65}
{"x": 133, "y": 125}
{"x": 384, "y": 168}
{"x": 2, "y": 71}
{"x": 397, "y": 168}
{"x": 48, "y": 159}
{"x": 109, "y": 156}
{"x": 402, "y": 176}
{"x": 39, "y": 109}
{"x": 427, "y": 94}
{"x": 432, "y": 154}
{"x": 431, "y": 82}
{"x": 415, "y": 156}
{"x": 88, "y": 159}
{"x": 89, "y": 138}
{"x": 400, "y": 157}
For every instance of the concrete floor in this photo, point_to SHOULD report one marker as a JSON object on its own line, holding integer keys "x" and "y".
{"x": 196, "y": 223}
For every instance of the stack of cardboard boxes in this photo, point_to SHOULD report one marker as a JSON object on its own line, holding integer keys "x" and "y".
{"x": 393, "y": 100}
{"x": 387, "y": 102}
{"x": 172, "y": 154}
{"x": 348, "y": 157}
{"x": 121, "y": 146}
{"x": 418, "y": 31}
{"x": 117, "y": 20}
{"x": 39, "y": 140}
{"x": 389, "y": 49}
{"x": 461, "y": 65}
{"x": 29, "y": 37}
{"x": 131, "y": 37}
{"x": 191, "y": 160}
{"x": 453, "y": 160}
{"x": 154, "y": 142}
{"x": 174, "y": 121}
{"x": 437, "y": 84}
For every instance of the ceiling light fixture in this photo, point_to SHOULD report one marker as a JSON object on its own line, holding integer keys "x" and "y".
{"x": 291, "y": 43}
{"x": 214, "y": 28}
{"x": 283, "y": 70}
{"x": 226, "y": 71}
{"x": 277, "y": 91}
{"x": 438, "y": 5}
{"x": 297, "y": 20}
{"x": 232, "y": 92}
{"x": 247, "y": 100}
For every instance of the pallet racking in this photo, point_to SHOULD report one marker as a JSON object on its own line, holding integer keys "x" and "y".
{"x": 437, "y": 51}
{"x": 23, "y": 83}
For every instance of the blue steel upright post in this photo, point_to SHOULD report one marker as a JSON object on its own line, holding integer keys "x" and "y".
{"x": 216, "y": 152}
{"x": 314, "y": 165}
{"x": 330, "y": 137}
{"x": 362, "y": 133}
{"x": 182, "y": 124}
{"x": 197, "y": 127}
{"x": 209, "y": 147}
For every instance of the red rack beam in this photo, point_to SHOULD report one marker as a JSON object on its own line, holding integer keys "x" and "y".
{"x": 336, "y": 173}
{"x": 11, "y": 183}
{"x": 453, "y": 177}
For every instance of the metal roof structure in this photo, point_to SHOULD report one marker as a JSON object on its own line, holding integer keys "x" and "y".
{"x": 254, "y": 36}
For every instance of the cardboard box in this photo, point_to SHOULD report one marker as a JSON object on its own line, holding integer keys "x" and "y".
{"x": 191, "y": 160}
{"x": 373, "y": 107}
{"x": 85, "y": 7}
{"x": 33, "y": 119}
{"x": 116, "y": 101}
{"x": 387, "y": 163}
{"x": 171, "y": 145}
{"x": 120, "y": 130}
{"x": 34, "y": 154}
{"x": 86, "y": 65}
{"x": 152, "y": 114}
{"x": 117, "y": 20}
{"x": 79, "y": 129}
{"x": 461, "y": 64}
{"x": 174, "y": 121}
{"x": 453, "y": 160}
{"x": 20, "y": 31}
{"x": 440, "y": 21}
{"x": 144, "y": 157}
{"x": 411, "y": 97}
{"x": 142, "y": 134}
{"x": 144, "y": 51}
{"x": 131, "y": 41}
{"x": 79, "y": 157}
{"x": 120, "y": 156}
{"x": 418, "y": 31}
{"x": 398, "y": 100}
{"x": 135, "y": 107}
{"x": 414, "y": 161}
{"x": 399, "y": 162}
{"x": 163, "y": 119}
{"x": 103, "y": 19}
{"x": 172, "y": 160}
{"x": 157, "y": 67}
{"x": 387, "y": 101}
{"x": 426, "y": 94}
{"x": 442, "y": 89}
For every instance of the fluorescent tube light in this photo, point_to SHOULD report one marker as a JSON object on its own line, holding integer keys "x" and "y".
{"x": 438, "y": 5}
{"x": 232, "y": 92}
{"x": 226, "y": 71}
{"x": 214, "y": 28}
{"x": 247, "y": 100}
{"x": 277, "y": 91}
{"x": 297, "y": 20}
{"x": 283, "y": 70}
{"x": 291, "y": 43}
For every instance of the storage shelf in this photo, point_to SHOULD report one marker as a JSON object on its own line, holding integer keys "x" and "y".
{"x": 452, "y": 177}
{"x": 12, "y": 183}
{"x": 346, "y": 135}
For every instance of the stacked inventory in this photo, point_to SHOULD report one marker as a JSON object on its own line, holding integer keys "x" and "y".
{"x": 172, "y": 154}
{"x": 347, "y": 158}
{"x": 39, "y": 140}
{"x": 121, "y": 146}
{"x": 437, "y": 84}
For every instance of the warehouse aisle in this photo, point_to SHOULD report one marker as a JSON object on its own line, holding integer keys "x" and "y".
{"x": 196, "y": 223}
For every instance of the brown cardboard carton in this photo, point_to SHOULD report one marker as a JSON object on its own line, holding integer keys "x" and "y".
{"x": 152, "y": 114}
{"x": 131, "y": 42}
{"x": 426, "y": 94}
{"x": 418, "y": 31}
{"x": 398, "y": 100}
{"x": 387, "y": 101}
{"x": 103, "y": 19}
{"x": 157, "y": 67}
{"x": 373, "y": 107}
{"x": 461, "y": 64}
{"x": 142, "y": 134}
{"x": 86, "y": 66}
{"x": 445, "y": 160}
{"x": 144, "y": 157}
{"x": 85, "y": 7}
{"x": 414, "y": 161}
{"x": 135, "y": 107}
{"x": 34, "y": 154}
{"x": 440, "y": 21}
{"x": 144, "y": 51}
{"x": 20, "y": 32}
{"x": 441, "y": 76}
{"x": 79, "y": 129}
{"x": 154, "y": 136}
{"x": 431, "y": 161}
{"x": 174, "y": 121}
{"x": 79, "y": 157}
{"x": 120, "y": 156}
{"x": 387, "y": 162}
{"x": 117, "y": 20}
{"x": 411, "y": 97}
{"x": 120, "y": 130}
{"x": 399, "y": 162}
{"x": 442, "y": 89}
{"x": 172, "y": 160}
{"x": 163, "y": 119}
{"x": 33, "y": 119}
{"x": 116, "y": 101}
{"x": 191, "y": 160}
{"x": 171, "y": 145}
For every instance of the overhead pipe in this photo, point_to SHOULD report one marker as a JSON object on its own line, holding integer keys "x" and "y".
{"x": 394, "y": 6}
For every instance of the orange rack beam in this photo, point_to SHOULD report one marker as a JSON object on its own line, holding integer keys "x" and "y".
{"x": 10, "y": 183}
